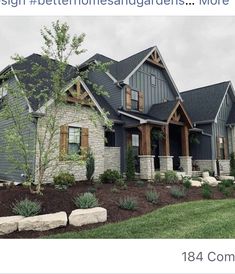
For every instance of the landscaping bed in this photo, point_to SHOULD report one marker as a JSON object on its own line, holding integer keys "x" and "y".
{"x": 54, "y": 200}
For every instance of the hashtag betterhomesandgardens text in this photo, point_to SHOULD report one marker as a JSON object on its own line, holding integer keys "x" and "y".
{"x": 134, "y": 3}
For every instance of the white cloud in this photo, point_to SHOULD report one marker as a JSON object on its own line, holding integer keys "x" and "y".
{"x": 197, "y": 50}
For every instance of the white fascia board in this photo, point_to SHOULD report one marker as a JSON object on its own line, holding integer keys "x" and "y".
{"x": 225, "y": 94}
{"x": 138, "y": 66}
{"x": 27, "y": 101}
{"x": 141, "y": 120}
{"x": 42, "y": 109}
{"x": 126, "y": 80}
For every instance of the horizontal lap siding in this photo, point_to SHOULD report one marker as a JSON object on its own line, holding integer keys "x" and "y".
{"x": 8, "y": 170}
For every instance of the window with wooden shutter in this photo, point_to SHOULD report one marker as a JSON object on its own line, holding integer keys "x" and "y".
{"x": 128, "y": 98}
{"x": 141, "y": 101}
{"x": 222, "y": 149}
{"x": 63, "y": 141}
{"x": 225, "y": 149}
{"x": 84, "y": 139}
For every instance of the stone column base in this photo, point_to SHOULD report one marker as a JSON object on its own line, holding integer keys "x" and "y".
{"x": 166, "y": 163}
{"x": 186, "y": 164}
{"x": 147, "y": 169}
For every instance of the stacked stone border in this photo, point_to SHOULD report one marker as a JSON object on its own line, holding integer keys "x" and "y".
{"x": 45, "y": 222}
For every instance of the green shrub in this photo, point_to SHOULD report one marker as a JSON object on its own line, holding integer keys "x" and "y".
{"x": 157, "y": 177}
{"x": 90, "y": 166}
{"x": 120, "y": 182}
{"x": 26, "y": 208}
{"x": 86, "y": 200}
{"x": 227, "y": 182}
{"x": 130, "y": 164}
{"x": 152, "y": 196}
{"x": 232, "y": 173}
{"x": 206, "y": 191}
{"x": 110, "y": 176}
{"x": 187, "y": 183}
{"x": 177, "y": 192}
{"x": 171, "y": 177}
{"x": 227, "y": 191}
{"x": 232, "y": 162}
{"x": 114, "y": 190}
{"x": 128, "y": 203}
{"x": 63, "y": 180}
{"x": 140, "y": 183}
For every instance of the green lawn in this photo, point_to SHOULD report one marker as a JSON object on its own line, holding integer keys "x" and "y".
{"x": 202, "y": 219}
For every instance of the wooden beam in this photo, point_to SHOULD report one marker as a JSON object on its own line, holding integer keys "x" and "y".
{"x": 155, "y": 63}
{"x": 166, "y": 141}
{"x": 185, "y": 141}
{"x": 145, "y": 140}
{"x": 78, "y": 87}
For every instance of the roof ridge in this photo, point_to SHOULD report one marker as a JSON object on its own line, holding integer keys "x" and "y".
{"x": 207, "y": 86}
{"x": 130, "y": 56}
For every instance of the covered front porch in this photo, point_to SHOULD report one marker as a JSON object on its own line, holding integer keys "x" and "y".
{"x": 162, "y": 145}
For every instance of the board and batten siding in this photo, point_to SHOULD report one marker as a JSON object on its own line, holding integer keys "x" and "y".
{"x": 141, "y": 81}
{"x": 8, "y": 169}
{"x": 219, "y": 128}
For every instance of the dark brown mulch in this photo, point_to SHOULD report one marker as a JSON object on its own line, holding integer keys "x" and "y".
{"x": 54, "y": 200}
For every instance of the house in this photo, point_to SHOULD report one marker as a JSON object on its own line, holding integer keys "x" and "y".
{"x": 165, "y": 127}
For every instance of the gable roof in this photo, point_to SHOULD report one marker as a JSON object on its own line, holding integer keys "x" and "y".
{"x": 120, "y": 70}
{"x": 203, "y": 104}
{"x": 42, "y": 81}
{"x": 163, "y": 110}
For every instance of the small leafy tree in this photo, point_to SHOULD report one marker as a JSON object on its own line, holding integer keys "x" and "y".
{"x": 90, "y": 165}
{"x": 232, "y": 162}
{"x": 50, "y": 94}
{"x": 130, "y": 164}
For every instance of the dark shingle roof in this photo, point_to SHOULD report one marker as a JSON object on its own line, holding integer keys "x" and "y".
{"x": 98, "y": 57}
{"x": 102, "y": 79}
{"x": 120, "y": 70}
{"x": 162, "y": 111}
{"x": 42, "y": 80}
{"x": 231, "y": 118}
{"x": 202, "y": 104}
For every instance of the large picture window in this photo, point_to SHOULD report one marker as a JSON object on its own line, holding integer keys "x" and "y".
{"x": 74, "y": 140}
{"x": 134, "y": 100}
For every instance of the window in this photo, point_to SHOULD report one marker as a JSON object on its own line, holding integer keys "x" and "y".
{"x": 134, "y": 100}
{"x": 74, "y": 140}
{"x": 221, "y": 148}
{"x": 109, "y": 138}
{"x": 135, "y": 140}
{"x": 3, "y": 92}
{"x": 153, "y": 80}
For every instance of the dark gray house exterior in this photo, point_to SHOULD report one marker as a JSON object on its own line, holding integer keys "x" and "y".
{"x": 167, "y": 129}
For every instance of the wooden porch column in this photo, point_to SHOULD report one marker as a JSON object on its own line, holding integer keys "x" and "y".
{"x": 185, "y": 140}
{"x": 145, "y": 140}
{"x": 166, "y": 141}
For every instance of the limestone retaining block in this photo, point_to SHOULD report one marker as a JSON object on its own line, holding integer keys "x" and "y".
{"x": 196, "y": 183}
{"x": 226, "y": 178}
{"x": 94, "y": 215}
{"x": 43, "y": 222}
{"x": 9, "y": 224}
{"x": 211, "y": 181}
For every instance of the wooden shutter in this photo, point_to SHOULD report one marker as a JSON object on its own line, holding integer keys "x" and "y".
{"x": 84, "y": 139}
{"x": 129, "y": 139}
{"x": 64, "y": 133}
{"x": 128, "y": 98}
{"x": 218, "y": 148}
{"x": 141, "y": 101}
{"x": 225, "y": 148}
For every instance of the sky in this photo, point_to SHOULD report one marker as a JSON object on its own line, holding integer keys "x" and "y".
{"x": 198, "y": 51}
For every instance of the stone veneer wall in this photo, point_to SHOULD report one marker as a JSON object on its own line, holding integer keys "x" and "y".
{"x": 112, "y": 158}
{"x": 81, "y": 117}
{"x": 211, "y": 165}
